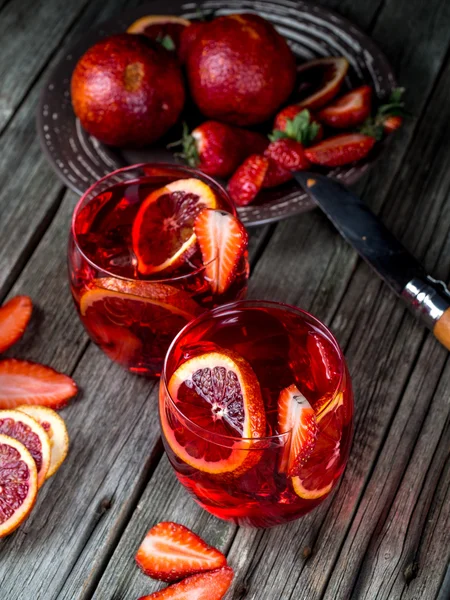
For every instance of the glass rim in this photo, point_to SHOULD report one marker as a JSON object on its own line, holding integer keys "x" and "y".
{"x": 257, "y": 304}
{"x": 182, "y": 168}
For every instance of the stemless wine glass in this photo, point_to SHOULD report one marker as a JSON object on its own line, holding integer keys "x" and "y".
{"x": 132, "y": 316}
{"x": 209, "y": 391}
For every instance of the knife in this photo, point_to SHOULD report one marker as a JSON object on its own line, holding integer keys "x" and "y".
{"x": 428, "y": 298}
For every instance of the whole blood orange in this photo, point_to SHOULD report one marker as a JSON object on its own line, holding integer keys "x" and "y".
{"x": 18, "y": 484}
{"x": 127, "y": 90}
{"x": 219, "y": 392}
{"x": 240, "y": 69}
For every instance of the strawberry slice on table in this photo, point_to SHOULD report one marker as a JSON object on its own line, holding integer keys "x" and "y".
{"x": 14, "y": 317}
{"x": 349, "y": 110}
{"x": 248, "y": 179}
{"x": 340, "y": 149}
{"x": 218, "y": 149}
{"x": 223, "y": 240}
{"x": 23, "y": 382}
{"x": 285, "y": 155}
{"x": 296, "y": 414}
{"x": 204, "y": 586}
{"x": 170, "y": 552}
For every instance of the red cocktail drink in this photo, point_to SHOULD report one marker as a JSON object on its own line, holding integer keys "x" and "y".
{"x": 256, "y": 409}
{"x": 146, "y": 255}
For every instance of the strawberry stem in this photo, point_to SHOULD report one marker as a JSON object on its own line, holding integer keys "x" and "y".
{"x": 300, "y": 128}
{"x": 394, "y": 107}
{"x": 189, "y": 145}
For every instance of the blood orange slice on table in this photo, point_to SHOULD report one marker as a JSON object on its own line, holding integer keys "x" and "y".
{"x": 218, "y": 392}
{"x": 18, "y": 484}
{"x": 163, "y": 236}
{"x": 320, "y": 80}
{"x": 32, "y": 435}
{"x": 325, "y": 464}
{"x": 56, "y": 430}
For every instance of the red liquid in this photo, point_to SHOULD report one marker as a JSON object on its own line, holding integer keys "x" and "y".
{"x": 283, "y": 348}
{"x": 131, "y": 317}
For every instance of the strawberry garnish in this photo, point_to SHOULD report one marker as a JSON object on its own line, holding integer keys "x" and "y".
{"x": 223, "y": 240}
{"x": 23, "y": 382}
{"x": 348, "y": 110}
{"x": 340, "y": 149}
{"x": 296, "y": 414}
{"x": 14, "y": 317}
{"x": 218, "y": 149}
{"x": 170, "y": 552}
{"x": 248, "y": 179}
{"x": 204, "y": 586}
{"x": 296, "y": 123}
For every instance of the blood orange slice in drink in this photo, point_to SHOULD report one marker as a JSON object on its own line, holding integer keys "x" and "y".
{"x": 18, "y": 484}
{"x": 317, "y": 476}
{"x": 32, "y": 435}
{"x": 163, "y": 235}
{"x": 56, "y": 430}
{"x": 219, "y": 394}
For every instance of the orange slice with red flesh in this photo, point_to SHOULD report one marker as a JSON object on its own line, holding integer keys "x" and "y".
{"x": 162, "y": 235}
{"x": 32, "y": 435}
{"x": 295, "y": 414}
{"x": 18, "y": 484}
{"x": 157, "y": 27}
{"x": 56, "y": 430}
{"x": 320, "y": 80}
{"x": 223, "y": 240}
{"x": 317, "y": 476}
{"x": 219, "y": 392}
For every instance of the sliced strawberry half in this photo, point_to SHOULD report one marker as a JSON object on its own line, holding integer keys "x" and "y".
{"x": 348, "y": 110}
{"x": 23, "y": 382}
{"x": 14, "y": 317}
{"x": 204, "y": 586}
{"x": 296, "y": 414}
{"x": 170, "y": 552}
{"x": 248, "y": 179}
{"x": 340, "y": 149}
{"x": 223, "y": 240}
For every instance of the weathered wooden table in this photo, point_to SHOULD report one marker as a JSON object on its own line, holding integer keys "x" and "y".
{"x": 385, "y": 533}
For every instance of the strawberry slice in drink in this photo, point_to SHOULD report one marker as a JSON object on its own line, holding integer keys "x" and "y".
{"x": 14, "y": 317}
{"x": 220, "y": 393}
{"x": 170, "y": 552}
{"x": 325, "y": 465}
{"x": 295, "y": 414}
{"x": 162, "y": 234}
{"x": 203, "y": 586}
{"x": 223, "y": 241}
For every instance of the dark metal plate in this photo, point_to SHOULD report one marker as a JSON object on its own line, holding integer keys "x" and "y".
{"x": 312, "y": 31}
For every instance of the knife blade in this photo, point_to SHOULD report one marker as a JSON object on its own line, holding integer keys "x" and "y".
{"x": 428, "y": 298}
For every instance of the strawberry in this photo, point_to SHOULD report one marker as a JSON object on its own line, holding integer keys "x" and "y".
{"x": 285, "y": 155}
{"x": 204, "y": 586}
{"x": 171, "y": 551}
{"x": 392, "y": 124}
{"x": 340, "y": 149}
{"x": 388, "y": 118}
{"x": 23, "y": 382}
{"x": 218, "y": 149}
{"x": 14, "y": 317}
{"x": 296, "y": 414}
{"x": 297, "y": 123}
{"x": 349, "y": 110}
{"x": 223, "y": 240}
{"x": 248, "y": 179}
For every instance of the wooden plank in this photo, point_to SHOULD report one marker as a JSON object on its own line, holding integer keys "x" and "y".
{"x": 30, "y": 32}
